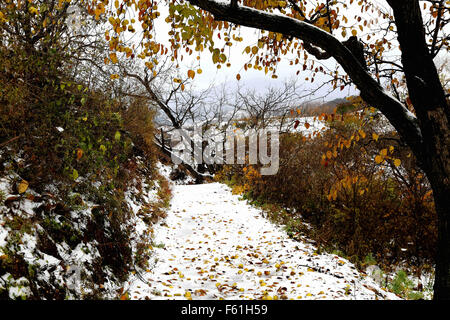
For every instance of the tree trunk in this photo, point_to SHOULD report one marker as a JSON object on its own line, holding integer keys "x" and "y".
{"x": 432, "y": 110}
{"x": 437, "y": 169}
{"x": 441, "y": 192}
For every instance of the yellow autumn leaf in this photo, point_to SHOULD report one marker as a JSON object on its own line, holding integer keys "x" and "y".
{"x": 378, "y": 159}
{"x": 113, "y": 57}
{"x": 397, "y": 162}
{"x": 191, "y": 74}
{"x": 23, "y": 186}
{"x": 149, "y": 65}
{"x": 33, "y": 10}
{"x": 375, "y": 136}
{"x": 347, "y": 143}
{"x": 362, "y": 133}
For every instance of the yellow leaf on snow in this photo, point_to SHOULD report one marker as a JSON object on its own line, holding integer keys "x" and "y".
{"x": 23, "y": 186}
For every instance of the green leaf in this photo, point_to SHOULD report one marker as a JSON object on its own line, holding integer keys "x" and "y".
{"x": 75, "y": 174}
{"x": 117, "y": 136}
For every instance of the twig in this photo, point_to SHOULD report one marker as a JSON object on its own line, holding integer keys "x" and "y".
{"x": 10, "y": 140}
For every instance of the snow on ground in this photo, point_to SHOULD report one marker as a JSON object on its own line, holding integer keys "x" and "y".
{"x": 71, "y": 267}
{"x": 165, "y": 170}
{"x": 214, "y": 246}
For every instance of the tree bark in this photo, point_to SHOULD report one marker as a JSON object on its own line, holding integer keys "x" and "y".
{"x": 432, "y": 110}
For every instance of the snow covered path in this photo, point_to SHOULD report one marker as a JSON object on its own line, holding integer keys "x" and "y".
{"x": 214, "y": 246}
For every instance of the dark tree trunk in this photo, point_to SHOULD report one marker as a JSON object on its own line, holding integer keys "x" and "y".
{"x": 432, "y": 110}
{"x": 441, "y": 192}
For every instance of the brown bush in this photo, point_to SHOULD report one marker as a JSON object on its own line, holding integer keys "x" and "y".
{"x": 138, "y": 121}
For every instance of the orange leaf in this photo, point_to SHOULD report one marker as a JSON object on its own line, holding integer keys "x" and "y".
{"x": 191, "y": 74}
{"x": 378, "y": 159}
{"x": 113, "y": 57}
{"x": 375, "y": 136}
{"x": 79, "y": 153}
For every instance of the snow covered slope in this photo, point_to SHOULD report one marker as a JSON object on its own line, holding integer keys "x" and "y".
{"x": 214, "y": 246}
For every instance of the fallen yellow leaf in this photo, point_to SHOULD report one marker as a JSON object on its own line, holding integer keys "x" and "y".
{"x": 23, "y": 186}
